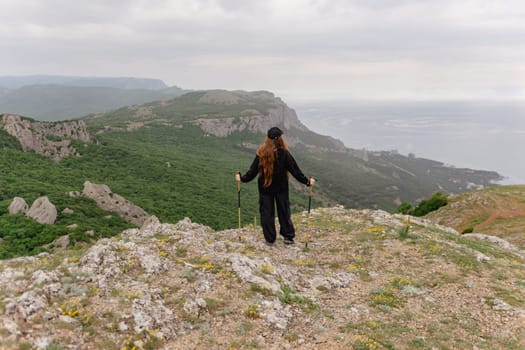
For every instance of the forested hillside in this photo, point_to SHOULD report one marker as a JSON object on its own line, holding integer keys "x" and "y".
{"x": 177, "y": 158}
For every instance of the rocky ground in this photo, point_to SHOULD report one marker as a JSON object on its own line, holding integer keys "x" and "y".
{"x": 354, "y": 280}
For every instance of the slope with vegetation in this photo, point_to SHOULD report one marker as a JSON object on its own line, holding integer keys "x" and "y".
{"x": 29, "y": 175}
{"x": 358, "y": 285}
{"x": 237, "y": 121}
{"x": 176, "y": 158}
{"x": 498, "y": 211}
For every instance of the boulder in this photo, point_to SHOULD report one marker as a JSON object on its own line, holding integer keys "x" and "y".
{"x": 61, "y": 242}
{"x": 149, "y": 312}
{"x": 68, "y": 211}
{"x": 30, "y": 302}
{"x": 110, "y": 201}
{"x": 18, "y": 205}
{"x": 43, "y": 211}
{"x": 74, "y": 194}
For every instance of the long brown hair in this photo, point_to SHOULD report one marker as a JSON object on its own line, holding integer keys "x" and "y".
{"x": 267, "y": 153}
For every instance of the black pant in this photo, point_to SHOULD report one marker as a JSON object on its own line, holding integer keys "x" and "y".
{"x": 267, "y": 211}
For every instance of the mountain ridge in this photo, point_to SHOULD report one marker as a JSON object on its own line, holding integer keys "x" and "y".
{"x": 58, "y": 102}
{"x": 16, "y": 82}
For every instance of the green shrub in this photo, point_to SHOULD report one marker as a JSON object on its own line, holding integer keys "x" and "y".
{"x": 404, "y": 208}
{"x": 435, "y": 202}
{"x": 424, "y": 207}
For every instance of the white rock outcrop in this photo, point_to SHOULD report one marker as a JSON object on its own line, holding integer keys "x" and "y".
{"x": 18, "y": 205}
{"x": 43, "y": 211}
{"x": 110, "y": 201}
{"x": 37, "y": 136}
{"x": 271, "y": 112}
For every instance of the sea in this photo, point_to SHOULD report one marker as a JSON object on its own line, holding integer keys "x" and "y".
{"x": 475, "y": 134}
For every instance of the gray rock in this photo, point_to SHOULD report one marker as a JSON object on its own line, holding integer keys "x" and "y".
{"x": 501, "y": 305}
{"x": 122, "y": 326}
{"x": 10, "y": 306}
{"x": 61, "y": 242}
{"x": 69, "y": 319}
{"x": 247, "y": 269}
{"x": 33, "y": 135}
{"x": 339, "y": 280}
{"x": 276, "y": 314}
{"x": 18, "y": 205}
{"x": 11, "y": 326}
{"x": 41, "y": 276}
{"x": 102, "y": 263}
{"x": 149, "y": 312}
{"x": 53, "y": 289}
{"x": 110, "y": 201}
{"x": 193, "y": 307}
{"x": 9, "y": 275}
{"x": 31, "y": 302}
{"x": 150, "y": 260}
{"x": 43, "y": 342}
{"x": 150, "y": 226}
{"x": 43, "y": 211}
{"x": 68, "y": 211}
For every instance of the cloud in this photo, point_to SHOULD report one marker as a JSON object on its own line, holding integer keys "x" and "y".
{"x": 365, "y": 48}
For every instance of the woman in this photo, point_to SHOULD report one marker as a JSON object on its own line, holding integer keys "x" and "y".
{"x": 273, "y": 162}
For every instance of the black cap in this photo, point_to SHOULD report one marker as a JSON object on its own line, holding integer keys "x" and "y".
{"x": 274, "y": 133}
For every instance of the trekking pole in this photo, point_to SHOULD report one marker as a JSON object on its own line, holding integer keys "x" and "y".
{"x": 310, "y": 190}
{"x": 239, "y": 206}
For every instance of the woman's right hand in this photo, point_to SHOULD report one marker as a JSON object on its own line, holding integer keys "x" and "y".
{"x": 311, "y": 182}
{"x": 237, "y": 176}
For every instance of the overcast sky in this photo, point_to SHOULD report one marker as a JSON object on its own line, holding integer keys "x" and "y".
{"x": 300, "y": 49}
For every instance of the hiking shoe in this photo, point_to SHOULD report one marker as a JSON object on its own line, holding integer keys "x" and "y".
{"x": 269, "y": 244}
{"x": 288, "y": 241}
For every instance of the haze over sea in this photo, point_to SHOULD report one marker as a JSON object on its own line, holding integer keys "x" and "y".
{"x": 485, "y": 135}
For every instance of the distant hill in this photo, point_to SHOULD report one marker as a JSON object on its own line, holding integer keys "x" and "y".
{"x": 15, "y": 82}
{"x": 498, "y": 211}
{"x": 220, "y": 130}
{"x": 59, "y": 102}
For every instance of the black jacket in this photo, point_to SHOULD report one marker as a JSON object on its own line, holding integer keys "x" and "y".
{"x": 284, "y": 163}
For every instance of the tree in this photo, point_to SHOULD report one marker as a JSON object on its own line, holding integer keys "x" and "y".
{"x": 424, "y": 207}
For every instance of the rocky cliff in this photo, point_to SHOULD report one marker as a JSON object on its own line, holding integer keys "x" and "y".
{"x": 362, "y": 283}
{"x": 50, "y": 139}
{"x": 250, "y": 119}
{"x": 263, "y": 111}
